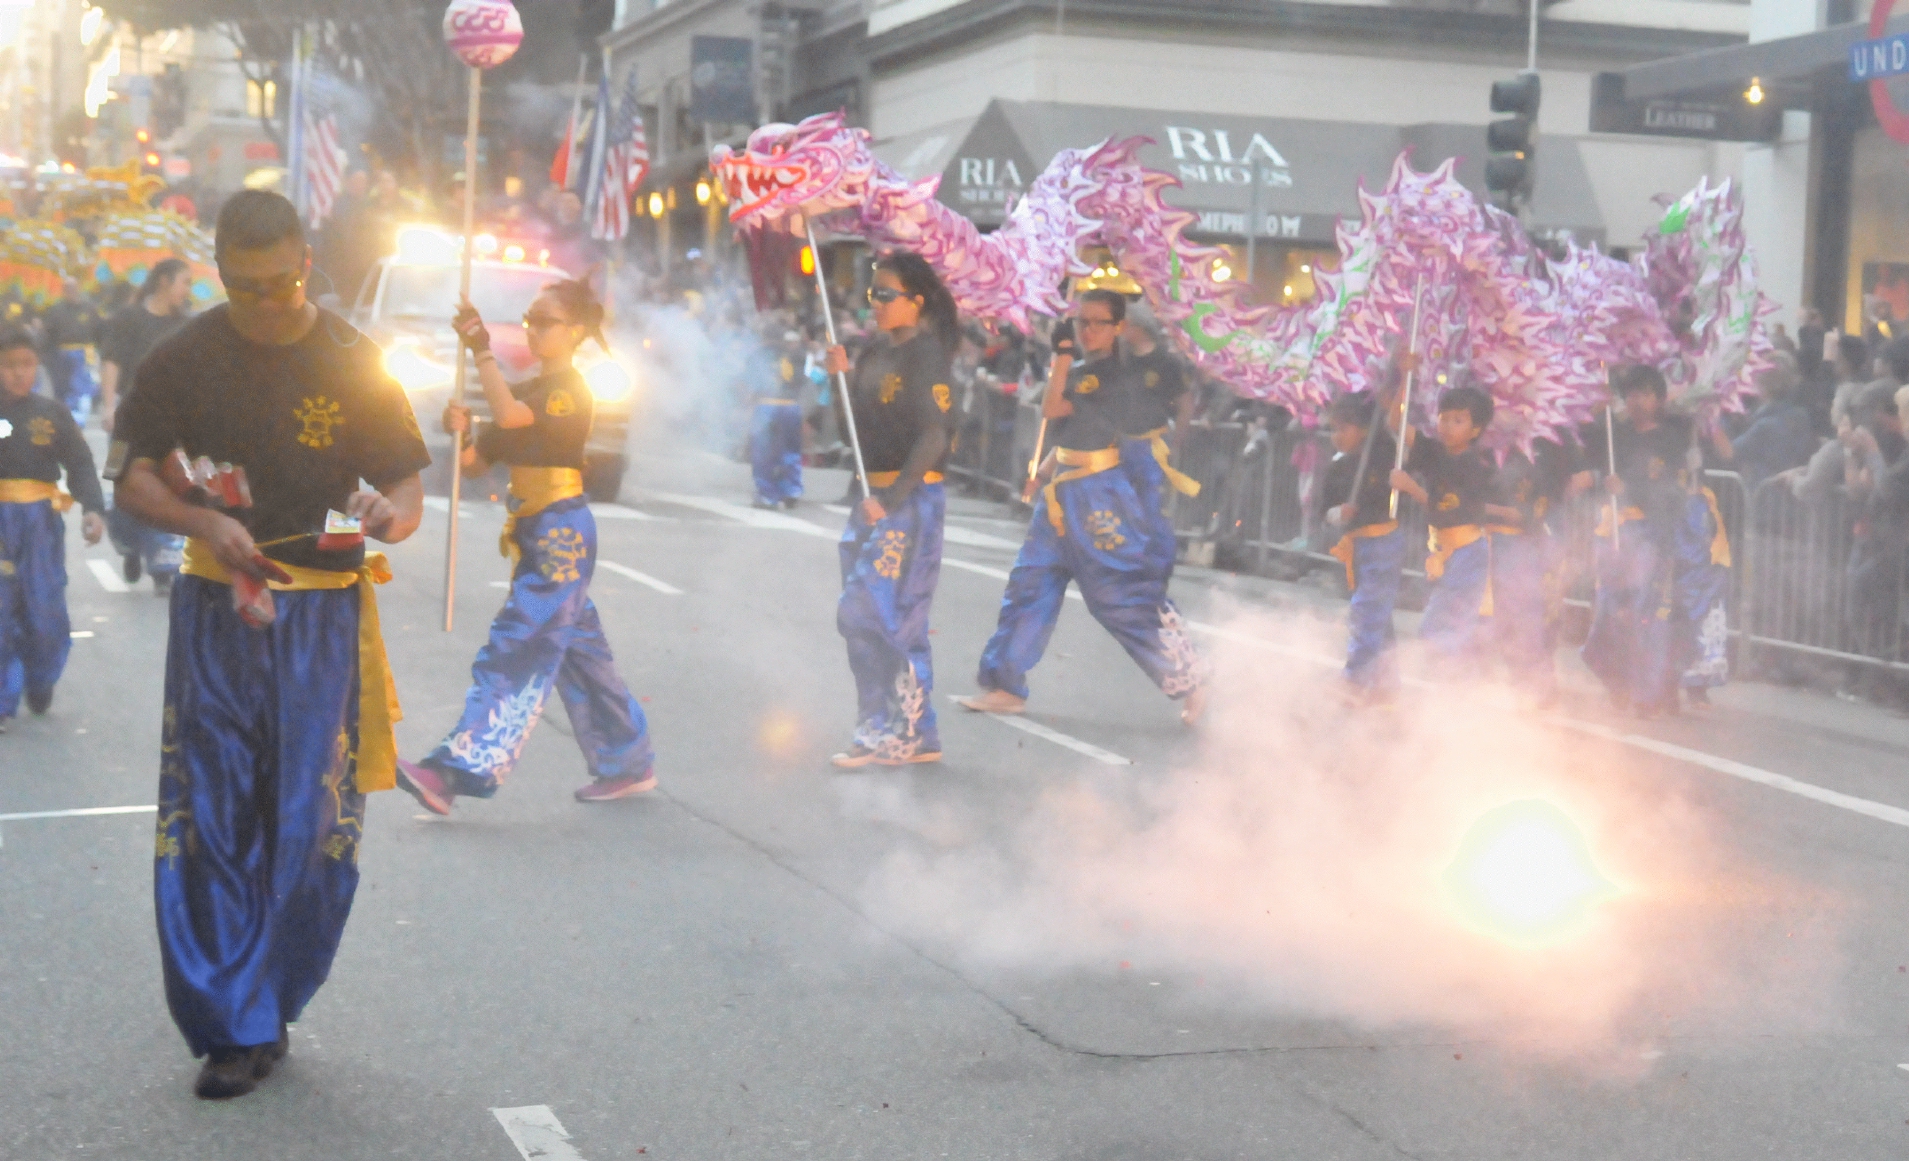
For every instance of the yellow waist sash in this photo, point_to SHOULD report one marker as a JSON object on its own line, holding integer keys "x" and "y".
{"x": 888, "y": 479}
{"x": 32, "y": 492}
{"x": 1344, "y": 549}
{"x": 1181, "y": 482}
{"x": 1624, "y": 516}
{"x": 1720, "y": 543}
{"x": 531, "y": 491}
{"x": 1442, "y": 542}
{"x": 378, "y": 709}
{"x": 1081, "y": 464}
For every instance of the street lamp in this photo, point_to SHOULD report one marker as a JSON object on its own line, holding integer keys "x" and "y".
{"x": 703, "y": 193}
{"x": 656, "y": 205}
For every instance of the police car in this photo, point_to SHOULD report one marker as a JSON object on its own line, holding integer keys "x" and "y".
{"x": 405, "y": 307}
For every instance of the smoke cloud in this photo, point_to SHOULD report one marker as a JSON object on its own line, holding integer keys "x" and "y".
{"x": 1299, "y": 868}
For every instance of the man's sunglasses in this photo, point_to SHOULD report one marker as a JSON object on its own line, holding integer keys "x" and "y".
{"x": 282, "y": 288}
{"x": 883, "y": 295}
{"x": 1096, "y": 322}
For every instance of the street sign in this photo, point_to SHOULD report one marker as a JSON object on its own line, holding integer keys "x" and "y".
{"x": 1876, "y": 60}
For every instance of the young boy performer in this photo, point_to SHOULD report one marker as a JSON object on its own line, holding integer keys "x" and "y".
{"x": 1359, "y": 492}
{"x": 38, "y": 439}
{"x": 1092, "y": 528}
{"x": 273, "y": 734}
{"x": 1451, "y": 478}
{"x": 1525, "y": 492}
{"x": 1631, "y": 646}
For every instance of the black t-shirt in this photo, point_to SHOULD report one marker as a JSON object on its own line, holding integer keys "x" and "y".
{"x": 1102, "y": 393}
{"x": 899, "y": 391}
{"x": 1534, "y": 484}
{"x": 563, "y": 408}
{"x": 38, "y": 438}
{"x": 307, "y": 421}
{"x": 1651, "y": 464}
{"x": 1456, "y": 486}
{"x": 1160, "y": 382}
{"x": 1375, "y": 489}
{"x": 129, "y": 336}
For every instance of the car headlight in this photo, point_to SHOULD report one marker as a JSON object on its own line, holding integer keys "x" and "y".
{"x": 610, "y": 381}
{"x": 412, "y": 370}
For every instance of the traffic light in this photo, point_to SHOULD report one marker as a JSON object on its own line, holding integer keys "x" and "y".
{"x": 1513, "y": 142}
{"x": 594, "y": 18}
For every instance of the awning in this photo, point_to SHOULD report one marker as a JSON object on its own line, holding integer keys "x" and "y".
{"x": 1786, "y": 66}
{"x": 1309, "y": 171}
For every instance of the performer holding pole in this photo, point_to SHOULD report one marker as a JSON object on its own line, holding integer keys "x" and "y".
{"x": 483, "y": 34}
{"x": 891, "y": 549}
{"x": 278, "y": 714}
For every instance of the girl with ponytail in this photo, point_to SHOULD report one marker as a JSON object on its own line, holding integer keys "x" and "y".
{"x": 548, "y": 634}
{"x": 891, "y": 550}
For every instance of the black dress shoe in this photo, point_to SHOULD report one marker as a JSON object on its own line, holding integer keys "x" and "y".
{"x": 39, "y": 702}
{"x": 264, "y": 1056}
{"x": 129, "y": 567}
{"x": 227, "y": 1073}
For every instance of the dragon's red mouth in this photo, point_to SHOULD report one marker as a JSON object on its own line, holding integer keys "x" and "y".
{"x": 752, "y": 185}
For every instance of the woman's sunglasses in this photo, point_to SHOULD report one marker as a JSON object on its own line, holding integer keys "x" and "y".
{"x": 536, "y": 322}
{"x": 883, "y": 295}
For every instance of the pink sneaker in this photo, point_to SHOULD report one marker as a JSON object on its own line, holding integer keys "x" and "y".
{"x": 426, "y": 785}
{"x": 611, "y": 789}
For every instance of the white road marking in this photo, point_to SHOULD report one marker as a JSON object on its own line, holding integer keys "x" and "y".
{"x": 500, "y": 584}
{"x": 80, "y": 634}
{"x": 755, "y": 517}
{"x": 537, "y": 1133}
{"x": 1073, "y": 594}
{"x": 1880, "y": 811}
{"x": 620, "y": 512}
{"x": 108, "y": 576}
{"x": 1059, "y": 739}
{"x": 642, "y": 578}
{"x": 443, "y": 504}
{"x": 835, "y": 508}
{"x": 969, "y": 538}
{"x": 85, "y": 812}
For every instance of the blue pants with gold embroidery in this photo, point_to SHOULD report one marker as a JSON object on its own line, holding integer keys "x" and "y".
{"x": 1150, "y": 487}
{"x": 1631, "y": 644}
{"x": 1520, "y": 616}
{"x": 1108, "y": 549}
{"x": 1454, "y": 606}
{"x": 35, "y": 634}
{"x": 1703, "y": 592}
{"x": 1378, "y": 567}
{"x": 256, "y": 858}
{"x": 889, "y": 573}
{"x": 775, "y": 451}
{"x": 548, "y": 633}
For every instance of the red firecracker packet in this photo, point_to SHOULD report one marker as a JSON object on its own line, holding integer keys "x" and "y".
{"x": 225, "y": 486}
{"x": 342, "y": 533}
{"x": 175, "y": 471}
{"x": 251, "y": 598}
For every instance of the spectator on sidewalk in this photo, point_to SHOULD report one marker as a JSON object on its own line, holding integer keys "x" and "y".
{"x": 1778, "y": 436}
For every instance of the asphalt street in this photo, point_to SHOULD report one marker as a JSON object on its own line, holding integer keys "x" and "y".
{"x": 1092, "y": 935}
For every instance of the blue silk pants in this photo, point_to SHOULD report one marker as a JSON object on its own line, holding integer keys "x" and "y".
{"x": 1150, "y": 487}
{"x": 1378, "y": 567}
{"x": 547, "y": 634}
{"x": 775, "y": 451}
{"x": 159, "y": 552}
{"x": 889, "y": 573}
{"x": 1702, "y": 592}
{"x": 1454, "y": 606}
{"x": 256, "y": 857}
{"x": 1630, "y": 646}
{"x": 1520, "y": 565}
{"x": 35, "y": 634}
{"x": 1109, "y": 548}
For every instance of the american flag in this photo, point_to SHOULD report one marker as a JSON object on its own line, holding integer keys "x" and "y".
{"x": 324, "y": 166}
{"x": 620, "y": 159}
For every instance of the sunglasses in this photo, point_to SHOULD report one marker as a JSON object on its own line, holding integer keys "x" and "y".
{"x": 883, "y": 295}
{"x": 282, "y": 288}
{"x": 1096, "y": 322}
{"x": 536, "y": 322}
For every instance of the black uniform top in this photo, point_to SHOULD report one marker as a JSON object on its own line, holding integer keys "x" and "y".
{"x": 899, "y": 391}
{"x": 1456, "y": 486}
{"x": 1161, "y": 382}
{"x": 69, "y": 323}
{"x": 1375, "y": 489}
{"x": 306, "y": 420}
{"x": 37, "y": 438}
{"x": 1534, "y": 484}
{"x": 129, "y": 336}
{"x": 563, "y": 408}
{"x": 1651, "y": 464}
{"x": 1102, "y": 392}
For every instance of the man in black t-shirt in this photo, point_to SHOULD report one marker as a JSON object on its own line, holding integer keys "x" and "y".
{"x": 125, "y": 339}
{"x": 273, "y": 734}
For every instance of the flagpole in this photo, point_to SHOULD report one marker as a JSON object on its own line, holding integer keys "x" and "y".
{"x": 460, "y": 376}
{"x": 295, "y": 129}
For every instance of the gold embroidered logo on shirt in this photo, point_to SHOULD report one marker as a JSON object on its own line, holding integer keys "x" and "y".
{"x": 1152, "y": 379}
{"x": 788, "y": 370}
{"x": 560, "y": 405}
{"x": 1448, "y": 501}
{"x": 1088, "y": 385}
{"x": 891, "y": 387}
{"x": 41, "y": 431}
{"x": 943, "y": 399}
{"x": 317, "y": 417}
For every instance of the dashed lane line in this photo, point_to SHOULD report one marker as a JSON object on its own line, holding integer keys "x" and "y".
{"x": 642, "y": 578}
{"x": 754, "y": 517}
{"x": 996, "y": 573}
{"x": 108, "y": 576}
{"x": 83, "y": 812}
{"x": 537, "y": 1133}
{"x": 1050, "y": 734}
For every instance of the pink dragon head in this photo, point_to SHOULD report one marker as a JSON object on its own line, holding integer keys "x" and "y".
{"x": 821, "y": 165}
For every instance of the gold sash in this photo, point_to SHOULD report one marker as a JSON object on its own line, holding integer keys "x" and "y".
{"x": 1624, "y": 516}
{"x": 1442, "y": 542}
{"x": 1720, "y": 543}
{"x": 888, "y": 479}
{"x": 1181, "y": 482}
{"x": 1083, "y": 464}
{"x": 32, "y": 492}
{"x": 1344, "y": 549}
{"x": 378, "y": 709}
{"x": 531, "y": 491}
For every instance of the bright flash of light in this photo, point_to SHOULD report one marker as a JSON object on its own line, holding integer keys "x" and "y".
{"x": 1524, "y": 873}
{"x": 405, "y": 363}
{"x": 780, "y": 734}
{"x": 610, "y": 381}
